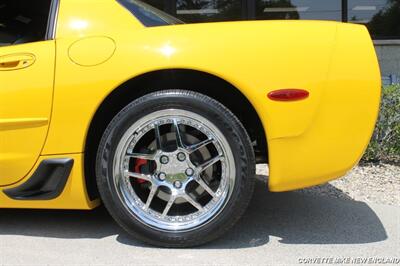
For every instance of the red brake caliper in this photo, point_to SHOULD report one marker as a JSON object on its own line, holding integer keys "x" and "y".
{"x": 138, "y": 165}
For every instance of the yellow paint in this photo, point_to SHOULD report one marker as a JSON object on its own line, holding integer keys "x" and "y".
{"x": 25, "y": 106}
{"x": 342, "y": 127}
{"x": 11, "y": 124}
{"x": 310, "y": 141}
{"x": 91, "y": 51}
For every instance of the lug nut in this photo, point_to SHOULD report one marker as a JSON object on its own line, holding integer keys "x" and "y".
{"x": 164, "y": 159}
{"x": 181, "y": 156}
{"x": 189, "y": 172}
{"x": 178, "y": 184}
{"x": 162, "y": 176}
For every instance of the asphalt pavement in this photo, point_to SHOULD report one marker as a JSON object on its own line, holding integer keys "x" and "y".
{"x": 278, "y": 228}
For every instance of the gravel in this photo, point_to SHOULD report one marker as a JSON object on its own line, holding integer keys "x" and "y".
{"x": 373, "y": 183}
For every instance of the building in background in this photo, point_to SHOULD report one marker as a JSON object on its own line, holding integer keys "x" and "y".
{"x": 382, "y": 17}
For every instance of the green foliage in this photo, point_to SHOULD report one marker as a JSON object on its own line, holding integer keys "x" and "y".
{"x": 385, "y": 143}
{"x": 387, "y": 21}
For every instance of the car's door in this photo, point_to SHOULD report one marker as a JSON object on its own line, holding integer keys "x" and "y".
{"x": 26, "y": 89}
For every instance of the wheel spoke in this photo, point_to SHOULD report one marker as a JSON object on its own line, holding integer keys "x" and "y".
{"x": 209, "y": 163}
{"x": 206, "y": 187}
{"x": 178, "y": 135}
{"x": 143, "y": 156}
{"x": 173, "y": 170}
{"x": 195, "y": 147}
{"x": 138, "y": 175}
{"x": 153, "y": 191}
{"x": 193, "y": 202}
{"x": 168, "y": 206}
{"x": 158, "y": 136}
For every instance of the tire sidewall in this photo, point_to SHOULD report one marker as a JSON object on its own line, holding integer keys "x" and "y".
{"x": 238, "y": 142}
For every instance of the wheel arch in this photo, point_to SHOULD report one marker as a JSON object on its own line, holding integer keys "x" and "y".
{"x": 187, "y": 79}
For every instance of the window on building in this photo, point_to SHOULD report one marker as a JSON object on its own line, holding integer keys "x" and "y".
{"x": 299, "y": 9}
{"x": 382, "y": 17}
{"x": 23, "y": 21}
{"x": 208, "y": 10}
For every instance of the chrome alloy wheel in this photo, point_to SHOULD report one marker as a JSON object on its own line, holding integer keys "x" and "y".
{"x": 174, "y": 170}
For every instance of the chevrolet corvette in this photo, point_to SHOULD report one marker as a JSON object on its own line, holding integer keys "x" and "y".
{"x": 114, "y": 101}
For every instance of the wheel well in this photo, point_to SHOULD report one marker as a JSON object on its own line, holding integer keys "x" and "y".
{"x": 198, "y": 81}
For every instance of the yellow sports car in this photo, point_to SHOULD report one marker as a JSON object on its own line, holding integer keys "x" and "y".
{"x": 164, "y": 122}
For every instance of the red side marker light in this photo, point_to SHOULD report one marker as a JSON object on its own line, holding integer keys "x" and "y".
{"x": 288, "y": 95}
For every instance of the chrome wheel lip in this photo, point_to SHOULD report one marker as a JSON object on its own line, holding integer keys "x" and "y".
{"x": 152, "y": 218}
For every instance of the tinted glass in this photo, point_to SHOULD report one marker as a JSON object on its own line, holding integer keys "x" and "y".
{"x": 382, "y": 17}
{"x": 23, "y": 21}
{"x": 148, "y": 15}
{"x": 159, "y": 4}
{"x": 299, "y": 9}
{"x": 208, "y": 10}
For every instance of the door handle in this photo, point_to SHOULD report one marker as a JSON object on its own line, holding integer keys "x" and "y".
{"x": 16, "y": 61}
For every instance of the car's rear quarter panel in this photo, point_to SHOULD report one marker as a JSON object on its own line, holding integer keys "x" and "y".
{"x": 256, "y": 57}
{"x": 343, "y": 124}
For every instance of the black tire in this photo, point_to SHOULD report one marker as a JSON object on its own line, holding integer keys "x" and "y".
{"x": 239, "y": 143}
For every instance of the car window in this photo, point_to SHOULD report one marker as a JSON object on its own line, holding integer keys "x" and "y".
{"x": 148, "y": 15}
{"x": 23, "y": 21}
